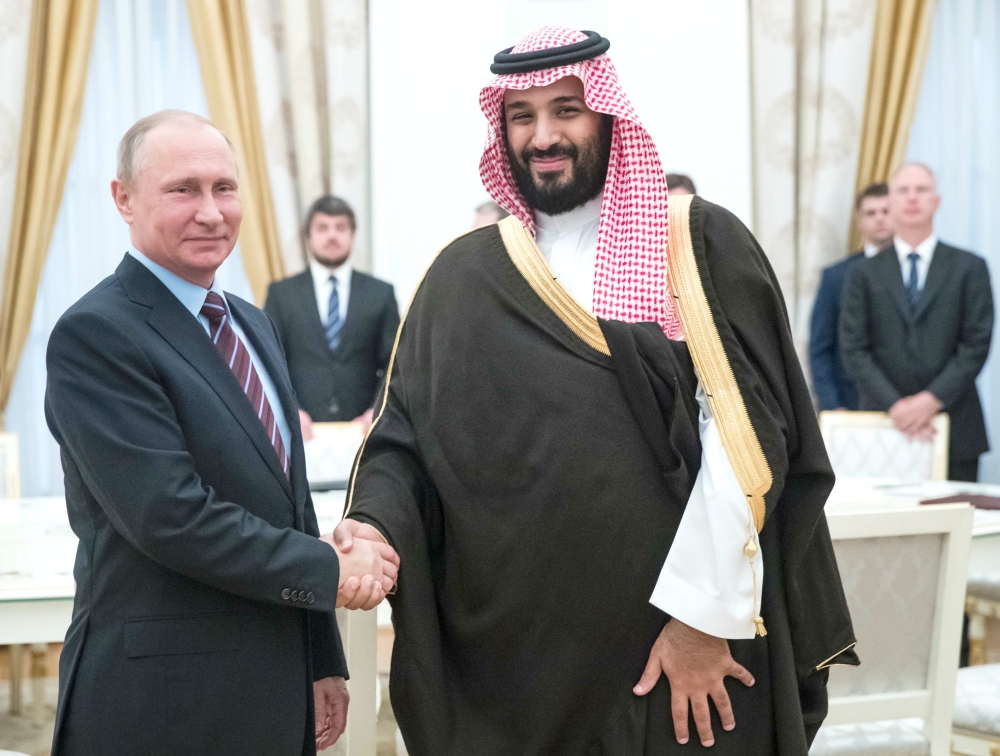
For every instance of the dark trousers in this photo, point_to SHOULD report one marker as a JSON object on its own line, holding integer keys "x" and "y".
{"x": 964, "y": 470}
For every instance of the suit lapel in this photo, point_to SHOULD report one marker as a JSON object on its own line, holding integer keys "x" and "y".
{"x": 354, "y": 304}
{"x": 306, "y": 293}
{"x": 937, "y": 274}
{"x": 186, "y": 335}
{"x": 267, "y": 349}
{"x": 892, "y": 275}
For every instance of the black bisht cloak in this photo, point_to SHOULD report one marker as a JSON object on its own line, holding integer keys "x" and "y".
{"x": 531, "y": 466}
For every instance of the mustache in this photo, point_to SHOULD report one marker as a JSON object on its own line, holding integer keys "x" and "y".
{"x": 556, "y": 150}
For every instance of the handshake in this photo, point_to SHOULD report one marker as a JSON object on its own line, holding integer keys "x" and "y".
{"x": 369, "y": 566}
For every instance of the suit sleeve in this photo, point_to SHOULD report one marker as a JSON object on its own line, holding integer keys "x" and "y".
{"x": 823, "y": 345}
{"x": 855, "y": 340}
{"x": 108, "y": 409}
{"x": 959, "y": 373}
{"x": 387, "y": 336}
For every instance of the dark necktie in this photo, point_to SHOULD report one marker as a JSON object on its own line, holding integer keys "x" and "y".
{"x": 236, "y": 356}
{"x": 333, "y": 321}
{"x": 911, "y": 287}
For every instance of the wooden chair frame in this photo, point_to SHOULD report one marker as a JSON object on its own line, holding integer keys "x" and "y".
{"x": 935, "y": 703}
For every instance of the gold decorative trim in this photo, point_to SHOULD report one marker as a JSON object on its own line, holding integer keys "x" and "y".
{"x": 739, "y": 438}
{"x": 388, "y": 376}
{"x": 528, "y": 260}
{"x": 826, "y": 662}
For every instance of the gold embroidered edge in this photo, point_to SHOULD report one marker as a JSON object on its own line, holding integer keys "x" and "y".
{"x": 739, "y": 438}
{"x": 528, "y": 260}
{"x": 388, "y": 376}
{"x": 826, "y": 662}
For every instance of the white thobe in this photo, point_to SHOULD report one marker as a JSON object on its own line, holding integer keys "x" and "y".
{"x": 707, "y": 580}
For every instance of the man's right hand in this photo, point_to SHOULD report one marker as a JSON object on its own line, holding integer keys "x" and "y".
{"x": 368, "y": 565}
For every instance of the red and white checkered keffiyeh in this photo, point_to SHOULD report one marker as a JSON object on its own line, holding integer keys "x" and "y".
{"x": 630, "y": 281}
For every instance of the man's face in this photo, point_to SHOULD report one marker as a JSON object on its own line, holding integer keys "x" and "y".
{"x": 873, "y": 218}
{"x": 184, "y": 207}
{"x": 557, "y": 146}
{"x": 330, "y": 239}
{"x": 913, "y": 199}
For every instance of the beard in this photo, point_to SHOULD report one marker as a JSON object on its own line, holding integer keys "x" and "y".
{"x": 553, "y": 194}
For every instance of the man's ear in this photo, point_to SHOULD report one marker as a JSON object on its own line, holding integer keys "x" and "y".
{"x": 123, "y": 199}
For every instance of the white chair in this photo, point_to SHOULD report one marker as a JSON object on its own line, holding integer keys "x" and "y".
{"x": 977, "y": 712}
{"x": 330, "y": 454}
{"x": 904, "y": 574}
{"x": 867, "y": 445}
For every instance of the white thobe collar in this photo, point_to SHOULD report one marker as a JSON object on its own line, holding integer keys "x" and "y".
{"x": 568, "y": 242}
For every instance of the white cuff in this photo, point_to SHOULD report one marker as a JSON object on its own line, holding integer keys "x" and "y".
{"x": 707, "y": 580}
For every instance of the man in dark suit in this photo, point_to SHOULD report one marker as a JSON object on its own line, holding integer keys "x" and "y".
{"x": 833, "y": 387}
{"x": 203, "y": 621}
{"x": 337, "y": 325}
{"x": 916, "y": 324}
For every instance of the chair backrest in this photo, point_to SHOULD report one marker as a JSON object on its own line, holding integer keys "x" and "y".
{"x": 10, "y": 467}
{"x": 330, "y": 454}
{"x": 867, "y": 445}
{"x": 904, "y": 574}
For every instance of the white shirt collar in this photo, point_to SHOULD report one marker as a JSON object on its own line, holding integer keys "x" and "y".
{"x": 191, "y": 295}
{"x": 924, "y": 249}
{"x": 871, "y": 250}
{"x": 321, "y": 273}
{"x": 588, "y": 212}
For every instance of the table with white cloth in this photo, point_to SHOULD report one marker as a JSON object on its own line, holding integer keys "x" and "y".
{"x": 37, "y": 551}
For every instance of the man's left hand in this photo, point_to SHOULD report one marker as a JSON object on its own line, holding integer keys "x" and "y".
{"x": 330, "y": 697}
{"x": 913, "y": 414}
{"x": 696, "y": 665}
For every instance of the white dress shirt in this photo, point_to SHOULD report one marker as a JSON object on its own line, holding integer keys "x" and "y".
{"x": 707, "y": 581}
{"x": 926, "y": 251}
{"x": 323, "y": 287}
{"x": 192, "y": 297}
{"x": 871, "y": 249}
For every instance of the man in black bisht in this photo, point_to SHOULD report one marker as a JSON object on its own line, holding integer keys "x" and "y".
{"x": 597, "y": 459}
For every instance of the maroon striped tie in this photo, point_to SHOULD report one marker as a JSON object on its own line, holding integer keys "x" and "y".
{"x": 235, "y": 353}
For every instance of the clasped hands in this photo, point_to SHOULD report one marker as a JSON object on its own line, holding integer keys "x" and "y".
{"x": 369, "y": 566}
{"x": 914, "y": 415}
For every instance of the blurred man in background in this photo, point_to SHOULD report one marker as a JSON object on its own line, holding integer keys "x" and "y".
{"x": 487, "y": 214}
{"x": 831, "y": 383}
{"x": 678, "y": 183}
{"x": 337, "y": 324}
{"x": 916, "y": 325}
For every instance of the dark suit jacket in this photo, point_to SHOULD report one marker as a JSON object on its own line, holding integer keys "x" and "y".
{"x": 831, "y": 383}
{"x": 335, "y": 385}
{"x": 205, "y": 604}
{"x": 894, "y": 350}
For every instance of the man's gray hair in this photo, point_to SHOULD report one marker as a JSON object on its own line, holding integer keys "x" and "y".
{"x": 130, "y": 147}
{"x": 914, "y": 164}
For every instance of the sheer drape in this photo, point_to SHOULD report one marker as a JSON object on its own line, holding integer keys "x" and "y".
{"x": 143, "y": 60}
{"x": 957, "y": 132}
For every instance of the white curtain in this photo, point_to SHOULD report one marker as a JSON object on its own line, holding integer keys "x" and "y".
{"x": 15, "y": 20}
{"x": 311, "y": 68}
{"x": 957, "y": 132}
{"x": 809, "y": 65}
{"x": 143, "y": 61}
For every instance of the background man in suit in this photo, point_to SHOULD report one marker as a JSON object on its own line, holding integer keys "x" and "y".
{"x": 337, "y": 324}
{"x": 916, "y": 325}
{"x": 831, "y": 384}
{"x": 203, "y": 620}
{"x": 679, "y": 183}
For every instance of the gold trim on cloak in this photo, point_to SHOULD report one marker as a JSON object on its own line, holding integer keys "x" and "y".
{"x": 528, "y": 260}
{"x": 826, "y": 662}
{"x": 739, "y": 438}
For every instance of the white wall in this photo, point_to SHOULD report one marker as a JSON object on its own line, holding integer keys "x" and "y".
{"x": 683, "y": 64}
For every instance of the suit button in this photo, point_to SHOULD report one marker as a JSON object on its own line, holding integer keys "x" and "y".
{"x": 285, "y": 594}
{"x": 310, "y": 598}
{"x": 295, "y": 596}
